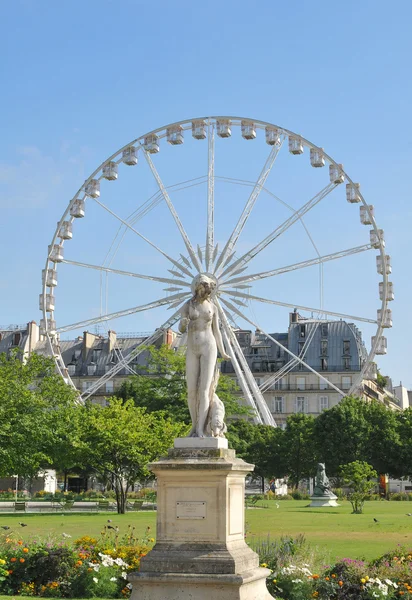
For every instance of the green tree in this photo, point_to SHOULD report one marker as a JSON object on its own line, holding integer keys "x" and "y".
{"x": 260, "y": 445}
{"x": 383, "y": 444}
{"x": 119, "y": 441}
{"x": 341, "y": 434}
{"x": 161, "y": 386}
{"x": 404, "y": 430}
{"x": 298, "y": 447}
{"x": 358, "y": 475}
{"x": 381, "y": 380}
{"x": 32, "y": 396}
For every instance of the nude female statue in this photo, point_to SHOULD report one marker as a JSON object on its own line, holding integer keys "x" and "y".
{"x": 200, "y": 320}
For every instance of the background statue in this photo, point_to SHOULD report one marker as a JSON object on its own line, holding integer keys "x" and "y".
{"x": 322, "y": 485}
{"x": 200, "y": 320}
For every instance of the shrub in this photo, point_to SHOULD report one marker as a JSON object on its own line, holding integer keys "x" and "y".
{"x": 300, "y": 495}
{"x": 340, "y": 493}
{"x": 86, "y": 568}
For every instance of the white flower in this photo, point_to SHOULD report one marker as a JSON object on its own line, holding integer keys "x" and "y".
{"x": 96, "y": 568}
{"x": 296, "y": 581}
{"x": 124, "y": 574}
{"x": 95, "y": 579}
{"x": 107, "y": 561}
{"x": 113, "y": 578}
{"x": 119, "y": 561}
{"x": 306, "y": 571}
{"x": 129, "y": 586}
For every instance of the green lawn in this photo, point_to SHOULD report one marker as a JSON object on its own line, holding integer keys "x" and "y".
{"x": 334, "y": 529}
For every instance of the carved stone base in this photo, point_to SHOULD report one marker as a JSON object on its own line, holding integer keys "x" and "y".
{"x": 172, "y": 586}
{"x": 200, "y": 549}
{"x": 322, "y": 501}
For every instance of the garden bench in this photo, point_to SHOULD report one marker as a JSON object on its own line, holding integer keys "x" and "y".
{"x": 20, "y": 506}
{"x": 136, "y": 505}
{"x": 105, "y": 505}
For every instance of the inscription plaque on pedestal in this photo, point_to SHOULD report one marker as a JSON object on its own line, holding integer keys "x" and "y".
{"x": 190, "y": 510}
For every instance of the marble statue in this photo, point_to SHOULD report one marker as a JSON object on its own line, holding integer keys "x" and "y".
{"x": 322, "y": 485}
{"x": 200, "y": 320}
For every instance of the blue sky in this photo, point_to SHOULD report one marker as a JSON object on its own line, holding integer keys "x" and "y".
{"x": 81, "y": 79}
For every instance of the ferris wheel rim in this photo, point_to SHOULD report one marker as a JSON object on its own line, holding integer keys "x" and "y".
{"x": 235, "y": 121}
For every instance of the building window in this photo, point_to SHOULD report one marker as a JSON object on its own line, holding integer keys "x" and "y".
{"x": 346, "y": 363}
{"x": 346, "y": 347}
{"x": 278, "y": 404}
{"x": 280, "y": 384}
{"x": 71, "y": 369}
{"x": 256, "y": 367}
{"x": 323, "y": 364}
{"x": 300, "y": 383}
{"x": 346, "y": 382}
{"x": 324, "y": 330}
{"x": 86, "y": 385}
{"x": 16, "y": 339}
{"x": 109, "y": 387}
{"x": 324, "y": 347}
{"x": 96, "y": 355}
{"x": 257, "y": 379}
{"x": 323, "y": 403}
{"x": 323, "y": 385}
{"x": 301, "y": 404}
{"x": 302, "y": 331}
{"x": 301, "y": 345}
{"x": 91, "y": 369}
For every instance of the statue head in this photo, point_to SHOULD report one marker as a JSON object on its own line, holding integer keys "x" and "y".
{"x": 204, "y": 282}
{"x": 321, "y": 467}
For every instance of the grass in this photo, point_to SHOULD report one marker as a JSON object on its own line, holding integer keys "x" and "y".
{"x": 334, "y": 529}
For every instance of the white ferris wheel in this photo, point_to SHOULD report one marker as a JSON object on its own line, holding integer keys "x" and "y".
{"x": 275, "y": 230}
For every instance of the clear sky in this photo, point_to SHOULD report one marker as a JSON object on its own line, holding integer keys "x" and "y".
{"x": 80, "y": 79}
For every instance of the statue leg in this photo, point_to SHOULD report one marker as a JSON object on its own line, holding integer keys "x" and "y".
{"x": 192, "y": 380}
{"x": 207, "y": 371}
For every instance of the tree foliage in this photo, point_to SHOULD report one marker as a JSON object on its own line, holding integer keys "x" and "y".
{"x": 119, "y": 440}
{"x": 32, "y": 401}
{"x": 161, "y": 386}
{"x": 358, "y": 475}
{"x": 299, "y": 447}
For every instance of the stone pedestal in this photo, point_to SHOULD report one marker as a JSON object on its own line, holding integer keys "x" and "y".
{"x": 322, "y": 501}
{"x": 200, "y": 550}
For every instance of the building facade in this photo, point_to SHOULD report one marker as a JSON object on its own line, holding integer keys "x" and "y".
{"x": 334, "y": 349}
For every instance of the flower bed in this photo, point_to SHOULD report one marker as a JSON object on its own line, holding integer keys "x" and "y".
{"x": 84, "y": 568}
{"x": 299, "y": 572}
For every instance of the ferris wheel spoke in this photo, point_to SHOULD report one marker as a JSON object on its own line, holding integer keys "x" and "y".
{"x": 174, "y": 262}
{"x": 284, "y": 348}
{"x": 247, "y": 257}
{"x": 238, "y": 294}
{"x": 258, "y": 400}
{"x": 127, "y": 273}
{"x": 173, "y": 212}
{"x": 295, "y": 266}
{"x": 124, "y": 313}
{"x": 126, "y": 360}
{"x": 228, "y": 250}
{"x": 210, "y": 235}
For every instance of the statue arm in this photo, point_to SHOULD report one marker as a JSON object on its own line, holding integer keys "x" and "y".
{"x": 184, "y": 321}
{"x": 218, "y": 336}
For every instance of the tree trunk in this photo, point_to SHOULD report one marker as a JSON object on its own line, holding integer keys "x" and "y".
{"x": 65, "y": 482}
{"x": 263, "y": 485}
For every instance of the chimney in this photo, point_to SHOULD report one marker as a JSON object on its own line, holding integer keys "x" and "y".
{"x": 294, "y": 317}
{"x": 88, "y": 339}
{"x": 112, "y": 340}
{"x": 168, "y": 337}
